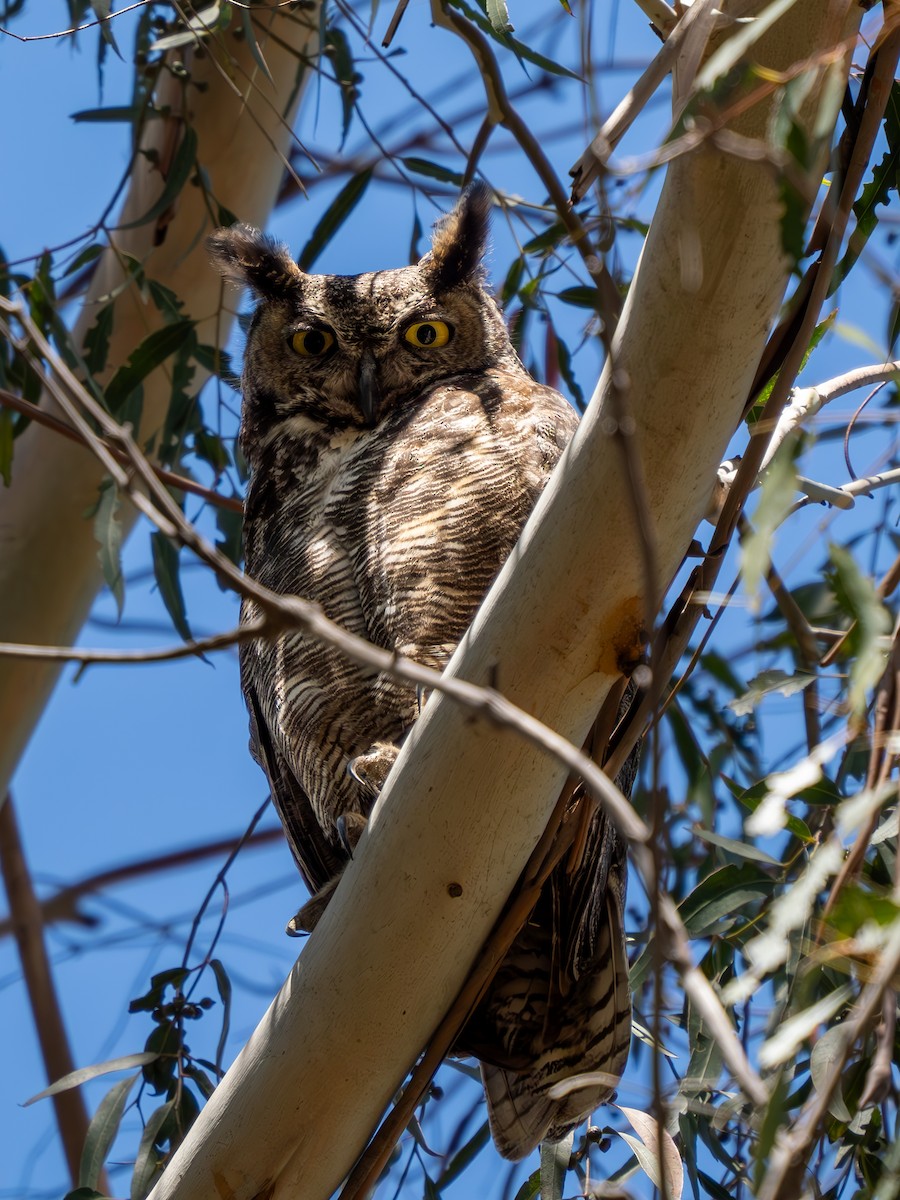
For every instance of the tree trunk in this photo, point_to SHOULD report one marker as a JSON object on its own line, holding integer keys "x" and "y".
{"x": 466, "y": 801}
{"x": 49, "y": 570}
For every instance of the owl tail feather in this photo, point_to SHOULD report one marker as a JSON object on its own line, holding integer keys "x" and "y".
{"x": 591, "y": 1041}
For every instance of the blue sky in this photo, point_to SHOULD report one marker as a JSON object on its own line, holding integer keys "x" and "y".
{"x": 134, "y": 761}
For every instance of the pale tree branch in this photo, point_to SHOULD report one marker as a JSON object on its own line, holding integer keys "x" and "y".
{"x": 49, "y": 574}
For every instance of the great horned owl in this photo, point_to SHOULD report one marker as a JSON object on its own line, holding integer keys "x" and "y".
{"x": 397, "y": 446}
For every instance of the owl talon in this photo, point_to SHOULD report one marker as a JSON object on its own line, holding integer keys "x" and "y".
{"x": 370, "y": 770}
{"x": 349, "y": 829}
{"x": 307, "y": 918}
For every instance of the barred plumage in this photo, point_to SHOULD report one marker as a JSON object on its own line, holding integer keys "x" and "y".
{"x": 397, "y": 446}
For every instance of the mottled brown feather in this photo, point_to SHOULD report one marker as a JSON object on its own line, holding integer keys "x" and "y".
{"x": 391, "y": 478}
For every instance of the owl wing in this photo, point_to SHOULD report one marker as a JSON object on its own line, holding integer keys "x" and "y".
{"x": 315, "y": 856}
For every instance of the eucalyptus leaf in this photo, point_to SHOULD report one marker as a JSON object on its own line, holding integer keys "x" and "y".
{"x": 83, "y": 1074}
{"x": 102, "y": 1131}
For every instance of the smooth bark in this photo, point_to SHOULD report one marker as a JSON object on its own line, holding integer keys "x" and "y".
{"x": 49, "y": 570}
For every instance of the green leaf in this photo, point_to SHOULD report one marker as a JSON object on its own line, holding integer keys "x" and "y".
{"x": 431, "y": 170}
{"x": 230, "y": 525}
{"x": 338, "y": 212}
{"x": 766, "y": 683}
{"x": 83, "y": 1074}
{"x": 115, "y": 113}
{"x": 201, "y": 25}
{"x": 779, "y": 487}
{"x": 498, "y": 15}
{"x": 102, "y": 10}
{"x": 165, "y": 569}
{"x": 739, "y": 45}
{"x": 885, "y": 181}
{"x": 741, "y": 849}
{"x": 248, "y": 26}
{"x": 337, "y": 47}
{"x": 867, "y": 640}
{"x": 549, "y": 240}
{"x": 180, "y": 170}
{"x": 581, "y": 297}
{"x": 464, "y": 1156}
{"x": 172, "y": 977}
{"x": 96, "y": 340}
{"x": 555, "y": 1158}
{"x": 87, "y": 255}
{"x": 518, "y": 48}
{"x": 822, "y": 1064}
{"x": 153, "y": 350}
{"x": 148, "y": 1164}
{"x": 646, "y": 1146}
{"x": 102, "y": 1131}
{"x": 223, "y": 983}
{"x": 7, "y": 430}
{"x": 530, "y": 1187}
{"x": 108, "y": 534}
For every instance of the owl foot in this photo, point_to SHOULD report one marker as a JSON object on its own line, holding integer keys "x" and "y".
{"x": 370, "y": 770}
{"x": 308, "y": 917}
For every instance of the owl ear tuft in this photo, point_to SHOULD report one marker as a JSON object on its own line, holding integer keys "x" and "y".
{"x": 246, "y": 256}
{"x": 459, "y": 240}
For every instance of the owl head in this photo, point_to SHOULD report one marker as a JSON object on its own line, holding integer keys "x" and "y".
{"x": 340, "y": 351}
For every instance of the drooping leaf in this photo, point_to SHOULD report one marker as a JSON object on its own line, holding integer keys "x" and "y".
{"x": 148, "y": 1163}
{"x": 884, "y": 183}
{"x": 166, "y": 564}
{"x": 520, "y": 49}
{"x": 102, "y": 11}
{"x": 555, "y": 1158}
{"x": 465, "y": 1155}
{"x": 581, "y": 297}
{"x": 114, "y": 114}
{"x": 432, "y": 170}
{"x": 872, "y": 621}
{"x": 151, "y": 353}
{"x": 334, "y": 217}
{"x": 102, "y": 1131}
{"x": 200, "y": 25}
{"x": 337, "y": 47}
{"x": 646, "y": 1149}
{"x": 531, "y": 1187}
{"x": 223, "y": 983}
{"x": 83, "y": 1074}
{"x": 822, "y": 1067}
{"x": 779, "y": 489}
{"x": 180, "y": 169}
{"x": 96, "y": 340}
{"x": 790, "y": 1034}
{"x": 108, "y": 534}
{"x": 732, "y": 846}
{"x": 767, "y": 683}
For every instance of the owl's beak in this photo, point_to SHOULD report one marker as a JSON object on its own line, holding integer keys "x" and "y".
{"x": 368, "y": 388}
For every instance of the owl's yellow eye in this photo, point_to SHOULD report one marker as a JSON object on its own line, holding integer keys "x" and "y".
{"x": 312, "y": 343}
{"x": 428, "y": 334}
